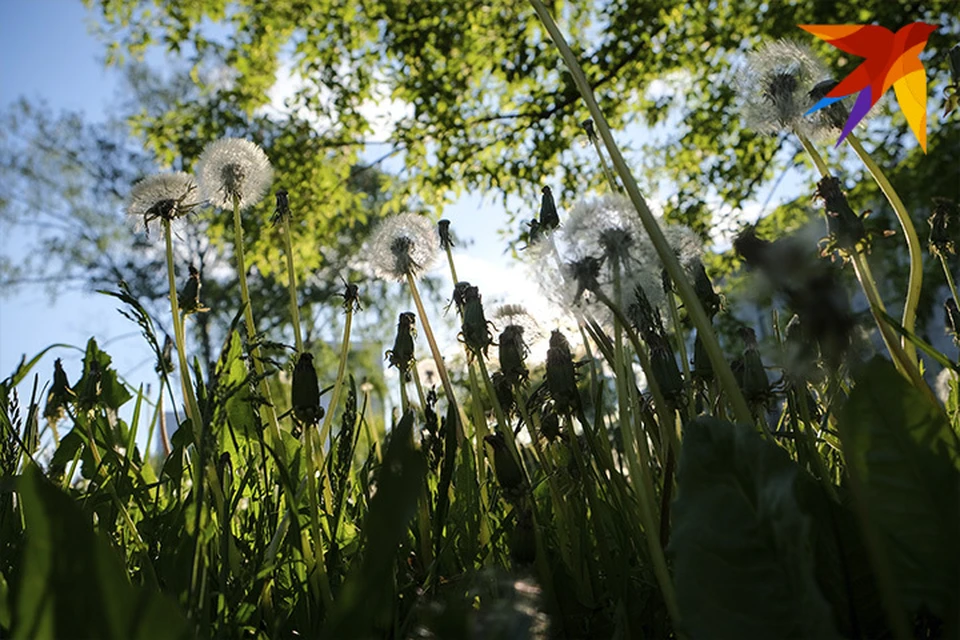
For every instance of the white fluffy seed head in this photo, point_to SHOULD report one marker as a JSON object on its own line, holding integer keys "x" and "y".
{"x": 163, "y": 196}
{"x": 403, "y": 244}
{"x": 686, "y": 244}
{"x": 233, "y": 168}
{"x": 775, "y": 85}
{"x": 607, "y": 230}
{"x": 517, "y": 315}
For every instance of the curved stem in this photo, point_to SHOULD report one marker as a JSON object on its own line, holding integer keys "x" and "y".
{"x": 292, "y": 286}
{"x": 950, "y": 282}
{"x": 684, "y": 288}
{"x": 913, "y": 244}
{"x": 338, "y": 384}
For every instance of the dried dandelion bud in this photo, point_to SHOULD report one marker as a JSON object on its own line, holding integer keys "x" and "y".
{"x": 549, "y": 423}
{"x": 234, "y": 169}
{"x": 503, "y": 388}
{"x": 164, "y": 196}
{"x": 562, "y": 375}
{"x": 844, "y": 227}
{"x": 513, "y": 354}
{"x": 401, "y": 356}
{"x": 756, "y": 384}
{"x": 944, "y": 224}
{"x": 282, "y": 210}
{"x": 351, "y": 297}
{"x": 475, "y": 330}
{"x": 59, "y": 395}
{"x": 165, "y": 363}
{"x": 305, "y": 392}
{"x": 549, "y": 218}
{"x": 189, "y": 298}
{"x": 446, "y": 240}
{"x": 404, "y": 245}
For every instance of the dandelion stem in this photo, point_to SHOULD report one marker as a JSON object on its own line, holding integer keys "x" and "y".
{"x": 861, "y": 268}
{"x": 189, "y": 398}
{"x": 697, "y": 314}
{"x": 252, "y": 330}
{"x": 950, "y": 282}
{"x": 435, "y": 352}
{"x": 341, "y": 371}
{"x": 292, "y": 286}
{"x": 913, "y": 244}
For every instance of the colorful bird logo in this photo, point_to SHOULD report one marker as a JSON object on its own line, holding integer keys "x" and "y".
{"x": 891, "y": 59}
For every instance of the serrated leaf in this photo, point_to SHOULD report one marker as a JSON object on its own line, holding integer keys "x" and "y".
{"x": 741, "y": 546}
{"x": 906, "y": 455}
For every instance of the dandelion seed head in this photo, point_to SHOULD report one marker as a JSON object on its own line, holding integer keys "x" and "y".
{"x": 164, "y": 196}
{"x": 686, "y": 243}
{"x": 946, "y": 380}
{"x": 775, "y": 87}
{"x": 234, "y": 168}
{"x": 406, "y": 244}
{"x": 517, "y": 315}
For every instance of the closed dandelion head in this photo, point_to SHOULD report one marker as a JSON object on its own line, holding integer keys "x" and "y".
{"x": 404, "y": 245}
{"x": 164, "y": 196}
{"x": 775, "y": 87}
{"x": 233, "y": 168}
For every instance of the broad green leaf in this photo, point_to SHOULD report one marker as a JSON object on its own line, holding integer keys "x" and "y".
{"x": 741, "y": 546}
{"x": 906, "y": 455}
{"x": 367, "y": 595}
{"x": 72, "y": 583}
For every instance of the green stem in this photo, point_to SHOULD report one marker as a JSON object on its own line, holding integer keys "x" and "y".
{"x": 669, "y": 259}
{"x": 189, "y": 398}
{"x": 341, "y": 372}
{"x": 603, "y": 165}
{"x": 913, "y": 244}
{"x": 950, "y": 282}
{"x": 292, "y": 286}
{"x": 435, "y": 352}
{"x": 252, "y": 331}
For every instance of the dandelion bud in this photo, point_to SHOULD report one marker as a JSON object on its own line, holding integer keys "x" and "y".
{"x": 703, "y": 287}
{"x": 165, "y": 196}
{"x": 508, "y": 472}
{"x": 585, "y": 272}
{"x": 535, "y": 233}
{"x": 953, "y": 320}
{"x": 305, "y": 392}
{"x": 59, "y": 395}
{"x": 351, "y": 297}
{"x": 549, "y": 423}
{"x": 513, "y": 353}
{"x": 549, "y": 218}
{"x": 562, "y": 375}
{"x": 401, "y": 356}
{"x": 702, "y": 367}
{"x": 756, "y": 384}
{"x": 282, "y": 211}
{"x": 944, "y": 223}
{"x": 190, "y": 296}
{"x": 844, "y": 227}
{"x": 589, "y": 128}
{"x": 503, "y": 388}
{"x": 404, "y": 245}
{"x": 165, "y": 363}
{"x": 446, "y": 240}
{"x": 475, "y": 330}
{"x": 233, "y": 170}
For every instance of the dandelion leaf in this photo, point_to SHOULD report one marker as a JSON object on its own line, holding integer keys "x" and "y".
{"x": 906, "y": 454}
{"x": 741, "y": 546}
{"x": 72, "y": 583}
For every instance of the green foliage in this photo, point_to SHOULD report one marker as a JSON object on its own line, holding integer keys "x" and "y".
{"x": 73, "y": 583}
{"x": 906, "y": 453}
{"x": 742, "y": 546}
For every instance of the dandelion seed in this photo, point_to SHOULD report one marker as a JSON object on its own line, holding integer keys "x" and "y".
{"x": 164, "y": 196}
{"x": 234, "y": 168}
{"x": 945, "y": 383}
{"x": 686, "y": 244}
{"x": 775, "y": 88}
{"x": 404, "y": 245}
